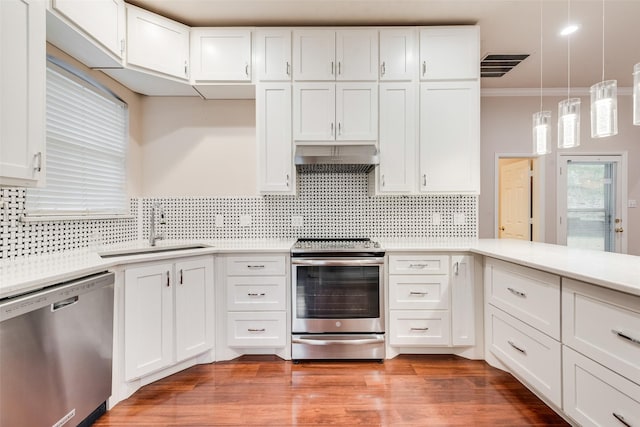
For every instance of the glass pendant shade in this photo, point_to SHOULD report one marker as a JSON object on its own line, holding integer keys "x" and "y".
{"x": 542, "y": 132}
{"x": 604, "y": 109}
{"x": 569, "y": 123}
{"x": 636, "y": 94}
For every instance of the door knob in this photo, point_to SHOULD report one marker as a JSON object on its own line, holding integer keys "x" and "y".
{"x": 502, "y": 228}
{"x": 618, "y": 230}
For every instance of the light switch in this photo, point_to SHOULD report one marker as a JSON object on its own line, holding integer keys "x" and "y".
{"x": 245, "y": 220}
{"x": 436, "y": 218}
{"x": 297, "y": 221}
{"x": 219, "y": 221}
{"x": 459, "y": 219}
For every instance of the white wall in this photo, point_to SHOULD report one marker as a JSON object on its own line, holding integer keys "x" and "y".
{"x": 506, "y": 128}
{"x": 198, "y": 148}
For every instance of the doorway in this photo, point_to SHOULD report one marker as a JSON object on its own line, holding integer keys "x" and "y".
{"x": 591, "y": 197}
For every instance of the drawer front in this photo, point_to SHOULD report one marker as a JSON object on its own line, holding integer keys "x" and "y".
{"x": 419, "y": 292}
{"x": 596, "y": 396}
{"x": 604, "y": 325}
{"x": 528, "y": 353}
{"x": 419, "y": 327}
{"x": 256, "y": 293}
{"x": 262, "y": 329}
{"x": 418, "y": 264}
{"x": 530, "y": 295}
{"x": 256, "y": 265}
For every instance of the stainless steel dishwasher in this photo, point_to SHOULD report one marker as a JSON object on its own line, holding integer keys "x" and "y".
{"x": 56, "y": 348}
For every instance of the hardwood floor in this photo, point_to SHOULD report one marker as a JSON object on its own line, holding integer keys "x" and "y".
{"x": 266, "y": 391}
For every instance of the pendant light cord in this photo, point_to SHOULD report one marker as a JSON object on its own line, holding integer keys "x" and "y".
{"x": 541, "y": 55}
{"x": 568, "y": 51}
{"x": 602, "y": 40}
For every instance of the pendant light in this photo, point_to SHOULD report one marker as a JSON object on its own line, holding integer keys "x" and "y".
{"x": 636, "y": 94}
{"x": 541, "y": 119}
{"x": 604, "y": 102}
{"x": 569, "y": 109}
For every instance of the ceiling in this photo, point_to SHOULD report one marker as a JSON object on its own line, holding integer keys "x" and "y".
{"x": 506, "y": 26}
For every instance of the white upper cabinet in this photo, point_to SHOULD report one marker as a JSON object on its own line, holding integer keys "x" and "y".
{"x": 273, "y": 55}
{"x": 314, "y": 111}
{"x": 356, "y": 111}
{"x": 450, "y": 137}
{"x": 220, "y": 55}
{"x": 320, "y": 54}
{"x": 22, "y": 92}
{"x": 157, "y": 44}
{"x": 90, "y": 31}
{"x": 397, "y": 54}
{"x": 450, "y": 53}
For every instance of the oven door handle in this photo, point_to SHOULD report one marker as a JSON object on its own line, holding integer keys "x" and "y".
{"x": 338, "y": 261}
{"x": 316, "y": 341}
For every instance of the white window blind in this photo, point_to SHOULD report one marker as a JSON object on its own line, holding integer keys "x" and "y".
{"x": 86, "y": 132}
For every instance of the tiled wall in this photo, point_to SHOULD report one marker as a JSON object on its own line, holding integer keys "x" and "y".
{"x": 331, "y": 205}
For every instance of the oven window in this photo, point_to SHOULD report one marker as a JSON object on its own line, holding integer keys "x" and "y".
{"x": 344, "y": 292}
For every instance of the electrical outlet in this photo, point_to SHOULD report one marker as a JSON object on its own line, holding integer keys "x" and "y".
{"x": 436, "y": 218}
{"x": 219, "y": 221}
{"x": 632, "y": 203}
{"x": 459, "y": 219}
{"x": 245, "y": 220}
{"x": 297, "y": 221}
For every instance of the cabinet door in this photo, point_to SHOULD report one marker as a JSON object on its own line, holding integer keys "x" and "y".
{"x": 103, "y": 20}
{"x": 148, "y": 313}
{"x": 221, "y": 55}
{"x": 397, "y": 139}
{"x": 397, "y": 56}
{"x": 419, "y": 327}
{"x": 273, "y": 123}
{"x": 357, "y": 55}
{"x": 194, "y": 307}
{"x": 450, "y": 137}
{"x": 357, "y": 111}
{"x": 314, "y": 56}
{"x": 22, "y": 92}
{"x": 314, "y": 111}
{"x": 449, "y": 53}
{"x": 462, "y": 301}
{"x": 273, "y": 55}
{"x": 157, "y": 43}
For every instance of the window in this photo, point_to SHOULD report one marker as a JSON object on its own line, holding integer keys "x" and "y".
{"x": 86, "y": 141}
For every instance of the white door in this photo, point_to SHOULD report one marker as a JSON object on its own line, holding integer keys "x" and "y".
{"x": 148, "y": 314}
{"x": 449, "y": 53}
{"x": 592, "y": 201}
{"x": 194, "y": 307}
{"x": 221, "y": 55}
{"x": 314, "y": 111}
{"x": 450, "y": 137}
{"x": 357, "y": 55}
{"x": 397, "y": 139}
{"x": 273, "y": 55}
{"x": 357, "y": 111}
{"x": 515, "y": 199}
{"x": 273, "y": 123}
{"x": 314, "y": 55}
{"x": 397, "y": 55}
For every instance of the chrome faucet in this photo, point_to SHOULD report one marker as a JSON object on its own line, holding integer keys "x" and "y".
{"x": 153, "y": 235}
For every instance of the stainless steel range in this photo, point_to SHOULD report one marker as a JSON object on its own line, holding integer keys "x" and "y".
{"x": 338, "y": 304}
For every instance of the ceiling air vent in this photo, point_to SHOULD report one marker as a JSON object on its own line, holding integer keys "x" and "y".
{"x": 494, "y": 65}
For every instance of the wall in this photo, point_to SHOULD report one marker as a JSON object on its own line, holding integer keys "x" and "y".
{"x": 506, "y": 129}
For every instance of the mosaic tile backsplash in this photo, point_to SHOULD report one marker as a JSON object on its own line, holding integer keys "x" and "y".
{"x": 329, "y": 205}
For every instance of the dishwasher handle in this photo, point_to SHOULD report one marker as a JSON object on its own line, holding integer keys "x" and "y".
{"x": 64, "y": 303}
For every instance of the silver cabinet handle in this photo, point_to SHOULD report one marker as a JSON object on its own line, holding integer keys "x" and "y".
{"x": 424, "y": 67}
{"x": 383, "y": 69}
{"x": 383, "y": 183}
{"x": 424, "y": 179}
{"x": 246, "y": 69}
{"x": 256, "y": 330}
{"x": 320, "y": 341}
{"x": 332, "y": 68}
{"x": 288, "y": 69}
{"x": 339, "y": 67}
{"x": 418, "y": 293}
{"x": 287, "y": 178}
{"x": 339, "y": 128}
{"x": 621, "y": 419}
{"x": 626, "y": 337}
{"x": 418, "y": 265}
{"x": 181, "y": 281}
{"x": 168, "y": 282}
{"x": 517, "y": 293}
{"x": 122, "y": 46}
{"x": 517, "y": 348}
{"x": 255, "y": 266}
{"x": 254, "y": 294}
{"x": 37, "y": 161}
{"x": 331, "y": 128}
{"x": 455, "y": 268}
{"x": 64, "y": 303}
{"x": 186, "y": 69}
{"x": 419, "y": 329}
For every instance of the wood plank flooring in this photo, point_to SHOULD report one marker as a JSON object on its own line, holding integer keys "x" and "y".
{"x": 266, "y": 391}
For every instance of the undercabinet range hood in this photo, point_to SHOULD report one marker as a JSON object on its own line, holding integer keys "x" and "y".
{"x": 336, "y": 158}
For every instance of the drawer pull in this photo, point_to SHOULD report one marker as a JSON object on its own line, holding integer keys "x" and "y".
{"x": 418, "y": 293}
{"x": 517, "y": 348}
{"x": 626, "y": 337}
{"x": 256, "y": 330}
{"x": 255, "y": 266}
{"x": 419, "y": 329}
{"x": 256, "y": 295}
{"x": 418, "y": 265}
{"x": 621, "y": 419}
{"x": 518, "y": 293}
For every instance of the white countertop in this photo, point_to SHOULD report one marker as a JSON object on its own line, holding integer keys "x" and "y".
{"x": 615, "y": 271}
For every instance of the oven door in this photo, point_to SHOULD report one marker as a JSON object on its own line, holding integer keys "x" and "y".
{"x": 337, "y": 295}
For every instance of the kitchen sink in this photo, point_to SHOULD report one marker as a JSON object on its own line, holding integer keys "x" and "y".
{"x": 152, "y": 250}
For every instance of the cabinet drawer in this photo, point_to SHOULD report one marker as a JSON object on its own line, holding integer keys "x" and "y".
{"x": 256, "y": 265}
{"x": 530, "y": 295}
{"x": 419, "y": 327}
{"x": 262, "y": 329}
{"x": 529, "y": 354}
{"x": 419, "y": 292}
{"x": 256, "y": 293}
{"x": 418, "y": 264}
{"x": 596, "y": 396}
{"x": 603, "y": 325}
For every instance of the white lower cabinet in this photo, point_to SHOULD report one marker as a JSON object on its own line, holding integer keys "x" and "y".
{"x": 463, "y": 310}
{"x": 420, "y": 328}
{"x": 256, "y": 329}
{"x": 168, "y": 310}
